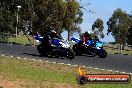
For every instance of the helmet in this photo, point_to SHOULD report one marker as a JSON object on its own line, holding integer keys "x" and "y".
{"x": 89, "y": 32}
{"x": 53, "y": 31}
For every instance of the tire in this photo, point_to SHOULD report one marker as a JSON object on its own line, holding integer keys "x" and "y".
{"x": 102, "y": 54}
{"x": 69, "y": 54}
{"x": 81, "y": 80}
{"x": 77, "y": 52}
{"x": 41, "y": 51}
{"x": 54, "y": 54}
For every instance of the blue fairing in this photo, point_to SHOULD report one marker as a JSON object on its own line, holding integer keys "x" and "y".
{"x": 89, "y": 42}
{"x": 99, "y": 44}
{"x": 55, "y": 42}
{"x": 75, "y": 40}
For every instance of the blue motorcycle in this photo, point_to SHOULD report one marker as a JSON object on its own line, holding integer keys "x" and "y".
{"x": 91, "y": 47}
{"x": 57, "y": 48}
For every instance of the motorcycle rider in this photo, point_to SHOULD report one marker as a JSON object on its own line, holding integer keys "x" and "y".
{"x": 86, "y": 36}
{"x": 48, "y": 40}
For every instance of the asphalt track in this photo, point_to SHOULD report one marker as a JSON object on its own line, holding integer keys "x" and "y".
{"x": 122, "y": 63}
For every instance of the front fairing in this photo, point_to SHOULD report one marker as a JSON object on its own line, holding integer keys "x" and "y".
{"x": 65, "y": 44}
{"x": 99, "y": 45}
{"x": 61, "y": 43}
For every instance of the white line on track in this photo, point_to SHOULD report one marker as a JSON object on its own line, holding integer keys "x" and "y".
{"x": 68, "y": 64}
{"x": 90, "y": 67}
{"x": 84, "y": 66}
{"x": 54, "y": 62}
{"x": 11, "y": 56}
{"x": 123, "y": 72}
{"x": 110, "y": 70}
{"x": 40, "y": 60}
{"x": 25, "y": 58}
{"x": 103, "y": 69}
{"x": 74, "y": 65}
{"x": 117, "y": 71}
{"x": 47, "y": 61}
{"x": 2, "y": 55}
{"x": 60, "y": 63}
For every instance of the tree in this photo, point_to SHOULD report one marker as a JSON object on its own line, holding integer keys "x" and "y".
{"x": 57, "y": 14}
{"x": 8, "y": 11}
{"x": 129, "y": 36}
{"x": 118, "y": 25}
{"x": 42, "y": 15}
{"x": 98, "y": 27}
{"x": 49, "y": 14}
{"x": 73, "y": 17}
{"x": 6, "y": 17}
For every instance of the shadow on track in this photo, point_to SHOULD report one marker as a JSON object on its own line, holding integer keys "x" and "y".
{"x": 36, "y": 55}
{"x": 86, "y": 55}
{"x": 32, "y": 54}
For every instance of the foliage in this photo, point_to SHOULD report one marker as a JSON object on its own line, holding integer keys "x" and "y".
{"x": 42, "y": 15}
{"x": 73, "y": 17}
{"x": 9, "y": 10}
{"x": 118, "y": 25}
{"x": 129, "y": 36}
{"x": 98, "y": 27}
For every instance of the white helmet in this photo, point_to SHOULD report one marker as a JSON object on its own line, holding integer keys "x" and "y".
{"x": 53, "y": 31}
{"x": 89, "y": 32}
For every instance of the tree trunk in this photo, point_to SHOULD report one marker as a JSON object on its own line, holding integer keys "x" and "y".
{"x": 123, "y": 46}
{"x": 29, "y": 40}
{"x": 69, "y": 35}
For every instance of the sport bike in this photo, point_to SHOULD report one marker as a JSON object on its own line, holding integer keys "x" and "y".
{"x": 91, "y": 47}
{"x": 58, "y": 48}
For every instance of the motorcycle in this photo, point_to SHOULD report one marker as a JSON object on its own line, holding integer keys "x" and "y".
{"x": 90, "y": 48}
{"x": 58, "y": 48}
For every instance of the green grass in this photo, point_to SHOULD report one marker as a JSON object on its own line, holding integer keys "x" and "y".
{"x": 112, "y": 51}
{"x": 16, "y": 69}
{"x": 19, "y": 39}
{"x": 42, "y": 73}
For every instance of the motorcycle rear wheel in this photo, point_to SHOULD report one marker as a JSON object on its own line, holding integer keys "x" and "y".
{"x": 77, "y": 52}
{"x": 41, "y": 50}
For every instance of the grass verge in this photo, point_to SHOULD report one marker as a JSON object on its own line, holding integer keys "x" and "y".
{"x": 15, "y": 73}
{"x": 112, "y": 51}
{"x": 20, "y": 40}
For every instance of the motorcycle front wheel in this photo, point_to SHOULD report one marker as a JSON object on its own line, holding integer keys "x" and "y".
{"x": 102, "y": 53}
{"x": 69, "y": 54}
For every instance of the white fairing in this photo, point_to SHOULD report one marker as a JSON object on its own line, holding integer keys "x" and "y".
{"x": 37, "y": 41}
{"x": 65, "y": 44}
{"x": 75, "y": 40}
{"x": 98, "y": 48}
{"x": 38, "y": 38}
